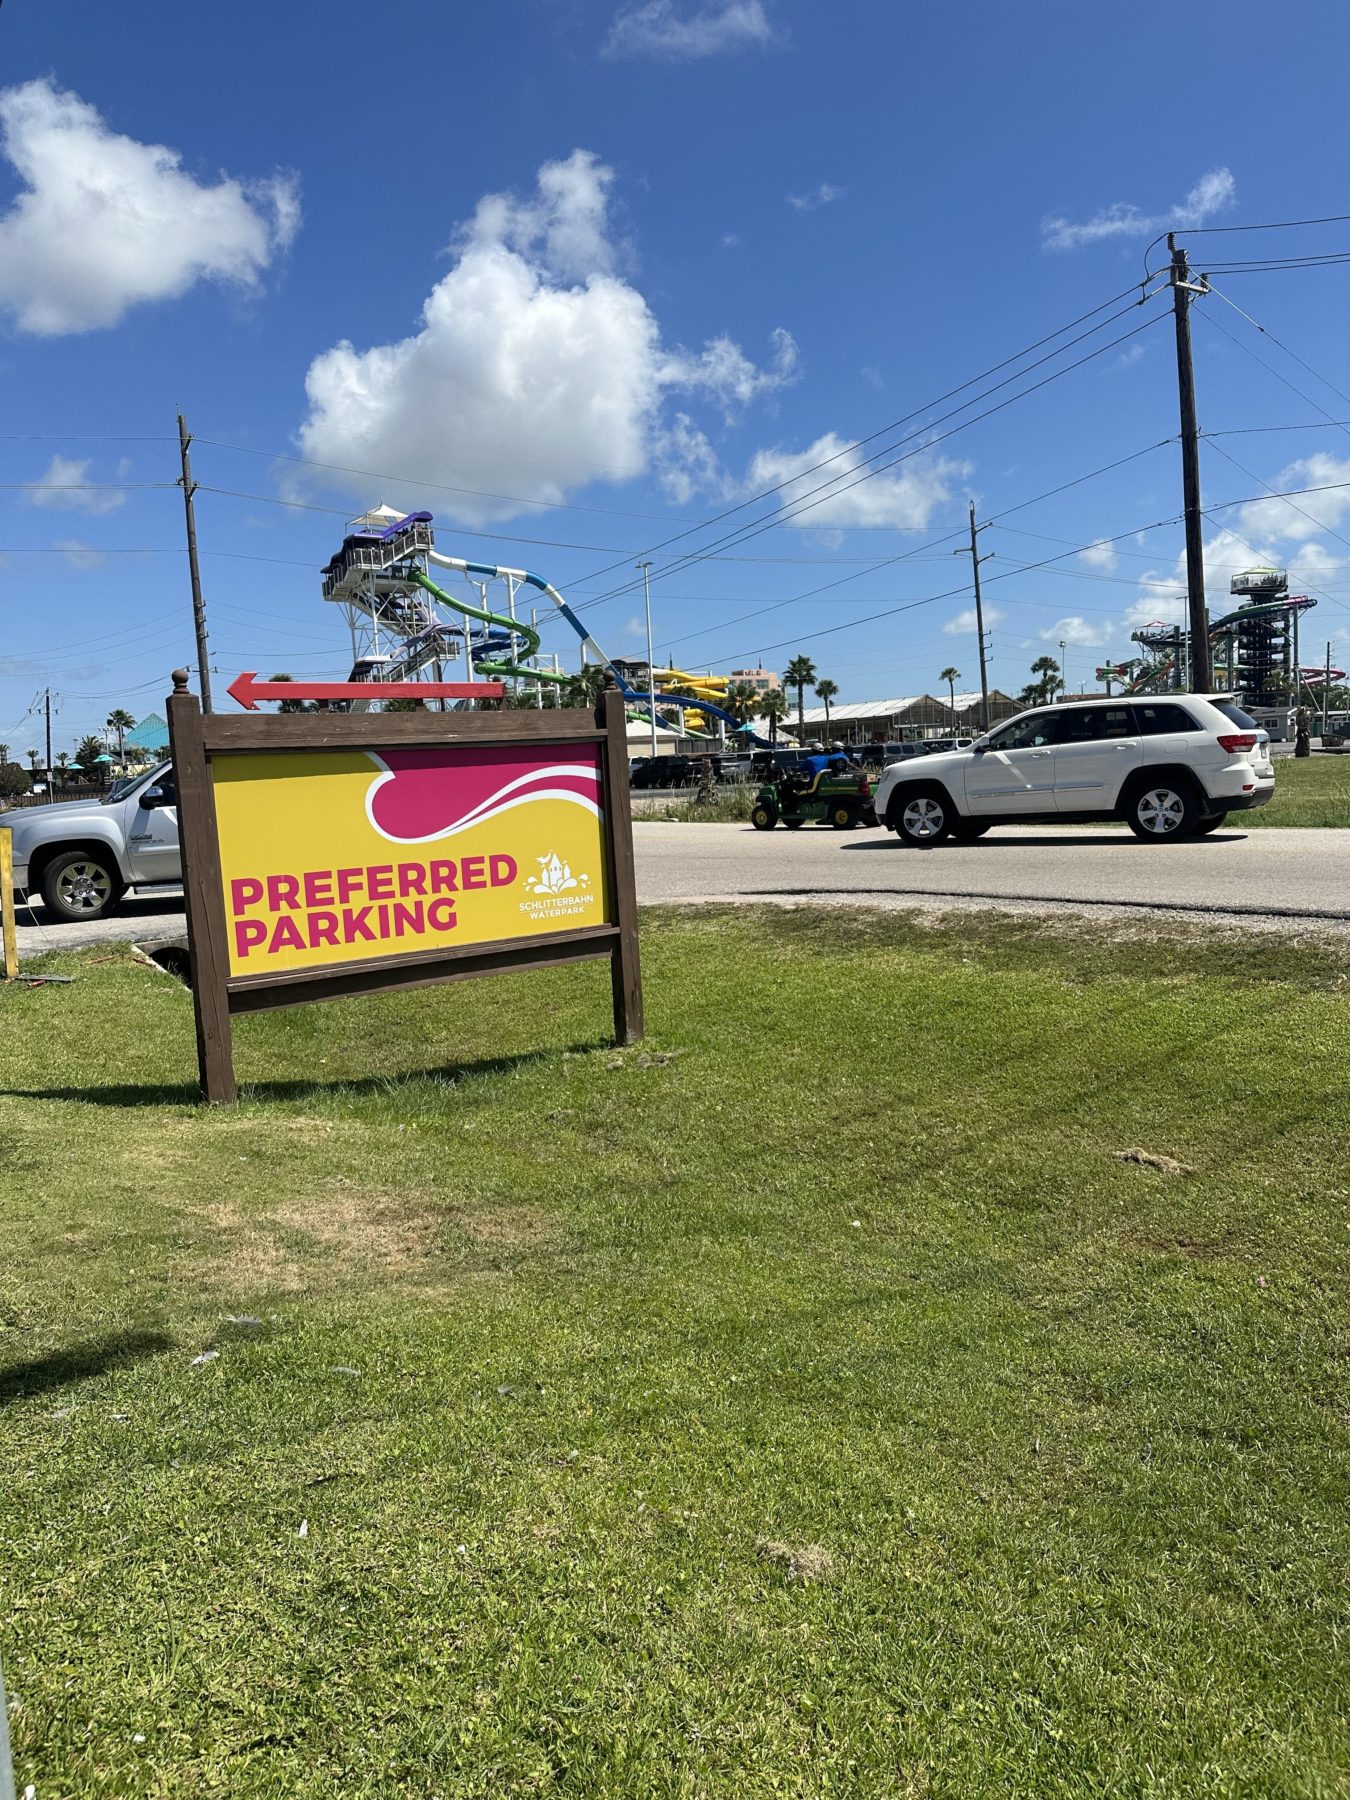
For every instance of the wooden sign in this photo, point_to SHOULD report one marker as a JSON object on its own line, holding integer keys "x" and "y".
{"x": 327, "y": 854}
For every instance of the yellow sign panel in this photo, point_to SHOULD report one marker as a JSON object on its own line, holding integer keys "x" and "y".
{"x": 335, "y": 856}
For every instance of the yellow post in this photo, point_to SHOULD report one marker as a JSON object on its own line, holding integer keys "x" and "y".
{"x": 11, "y": 942}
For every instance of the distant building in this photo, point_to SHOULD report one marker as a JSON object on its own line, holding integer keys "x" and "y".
{"x": 761, "y": 680}
{"x": 909, "y": 716}
{"x": 150, "y": 735}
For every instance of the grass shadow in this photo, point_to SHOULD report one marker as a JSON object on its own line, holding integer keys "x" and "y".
{"x": 187, "y": 1093}
{"x": 43, "y": 1374}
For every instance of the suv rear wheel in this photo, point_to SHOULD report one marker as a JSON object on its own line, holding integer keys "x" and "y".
{"x": 1210, "y": 822}
{"x": 81, "y": 884}
{"x": 922, "y": 815}
{"x": 1162, "y": 809}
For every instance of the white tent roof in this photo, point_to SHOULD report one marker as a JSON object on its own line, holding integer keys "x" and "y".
{"x": 883, "y": 709}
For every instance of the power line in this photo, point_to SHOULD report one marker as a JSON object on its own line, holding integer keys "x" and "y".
{"x": 1214, "y": 325}
{"x": 1302, "y": 511}
{"x": 950, "y": 593}
{"x": 1271, "y": 225}
{"x": 1256, "y": 430}
{"x": 1267, "y": 332}
{"x": 935, "y": 543}
{"x": 743, "y": 535}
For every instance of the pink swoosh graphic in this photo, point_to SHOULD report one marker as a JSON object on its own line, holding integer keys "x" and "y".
{"x": 436, "y": 793}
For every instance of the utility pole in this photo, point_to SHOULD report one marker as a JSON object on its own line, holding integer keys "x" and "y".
{"x": 651, "y": 678}
{"x": 48, "y": 708}
{"x": 975, "y": 560}
{"x": 189, "y": 488}
{"x": 1197, "y": 615}
{"x": 1326, "y": 693}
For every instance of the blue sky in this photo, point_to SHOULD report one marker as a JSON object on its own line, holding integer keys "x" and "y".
{"x": 623, "y": 267}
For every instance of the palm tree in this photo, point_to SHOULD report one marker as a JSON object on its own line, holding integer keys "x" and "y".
{"x": 87, "y": 753}
{"x": 62, "y": 758}
{"x": 291, "y": 706}
{"x": 827, "y": 690}
{"x": 1042, "y": 691}
{"x": 741, "y": 701}
{"x": 773, "y": 706}
{"x": 951, "y": 677}
{"x": 4, "y": 754}
{"x": 585, "y": 689}
{"x": 120, "y": 721}
{"x": 32, "y": 756}
{"x": 801, "y": 674}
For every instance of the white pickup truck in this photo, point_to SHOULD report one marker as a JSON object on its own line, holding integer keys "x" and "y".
{"x": 83, "y": 855}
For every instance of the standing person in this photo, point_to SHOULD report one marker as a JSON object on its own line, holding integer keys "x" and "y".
{"x": 1302, "y": 741}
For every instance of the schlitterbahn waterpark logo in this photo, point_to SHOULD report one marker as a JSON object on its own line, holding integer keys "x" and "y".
{"x": 323, "y": 864}
{"x": 558, "y": 893}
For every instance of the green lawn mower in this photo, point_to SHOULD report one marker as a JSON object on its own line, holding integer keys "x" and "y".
{"x": 841, "y": 799}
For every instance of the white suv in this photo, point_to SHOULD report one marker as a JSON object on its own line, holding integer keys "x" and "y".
{"x": 1170, "y": 768}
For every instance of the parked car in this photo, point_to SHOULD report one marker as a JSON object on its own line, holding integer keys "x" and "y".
{"x": 1167, "y": 768}
{"x": 82, "y": 855}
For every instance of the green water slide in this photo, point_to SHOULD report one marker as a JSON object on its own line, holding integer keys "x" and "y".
{"x": 515, "y": 627}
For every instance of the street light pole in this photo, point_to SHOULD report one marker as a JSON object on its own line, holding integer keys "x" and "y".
{"x": 651, "y": 676}
{"x": 1064, "y": 668}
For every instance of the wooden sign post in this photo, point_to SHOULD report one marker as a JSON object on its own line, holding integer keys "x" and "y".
{"x": 327, "y": 854}
{"x": 9, "y": 943}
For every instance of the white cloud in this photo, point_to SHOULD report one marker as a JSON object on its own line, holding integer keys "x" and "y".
{"x": 872, "y": 375}
{"x": 105, "y": 223}
{"x": 659, "y": 28}
{"x": 1099, "y": 556}
{"x": 966, "y": 622}
{"x": 66, "y": 488}
{"x": 1211, "y": 194}
{"x": 731, "y": 240}
{"x": 815, "y": 197}
{"x": 723, "y": 370}
{"x": 535, "y": 368}
{"x": 904, "y": 498}
{"x": 687, "y": 463}
{"x": 1076, "y": 630}
{"x": 80, "y": 555}
{"x": 1306, "y": 515}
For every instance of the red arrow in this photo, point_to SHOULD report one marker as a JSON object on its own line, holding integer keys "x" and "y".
{"x": 248, "y": 690}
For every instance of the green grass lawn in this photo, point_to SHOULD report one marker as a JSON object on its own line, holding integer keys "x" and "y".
{"x": 806, "y": 1402}
{"x": 1310, "y": 790}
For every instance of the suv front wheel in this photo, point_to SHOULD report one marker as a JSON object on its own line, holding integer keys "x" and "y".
{"x": 81, "y": 884}
{"x": 1158, "y": 810}
{"x": 922, "y": 815}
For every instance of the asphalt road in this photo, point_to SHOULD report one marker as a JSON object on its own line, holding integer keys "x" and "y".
{"x": 1294, "y": 879}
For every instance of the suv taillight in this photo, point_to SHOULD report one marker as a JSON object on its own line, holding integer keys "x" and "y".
{"x": 1238, "y": 740}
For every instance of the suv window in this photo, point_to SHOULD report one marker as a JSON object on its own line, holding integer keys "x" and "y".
{"x": 1026, "y": 734}
{"x": 1093, "y": 724}
{"x": 1154, "y": 720}
{"x": 1235, "y": 715}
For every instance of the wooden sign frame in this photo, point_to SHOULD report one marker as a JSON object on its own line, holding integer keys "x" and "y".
{"x": 197, "y": 740}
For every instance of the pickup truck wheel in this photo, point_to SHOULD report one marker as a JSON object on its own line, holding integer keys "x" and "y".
{"x": 1160, "y": 810}
{"x": 971, "y": 828}
{"x": 81, "y": 884}
{"x": 922, "y": 816}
